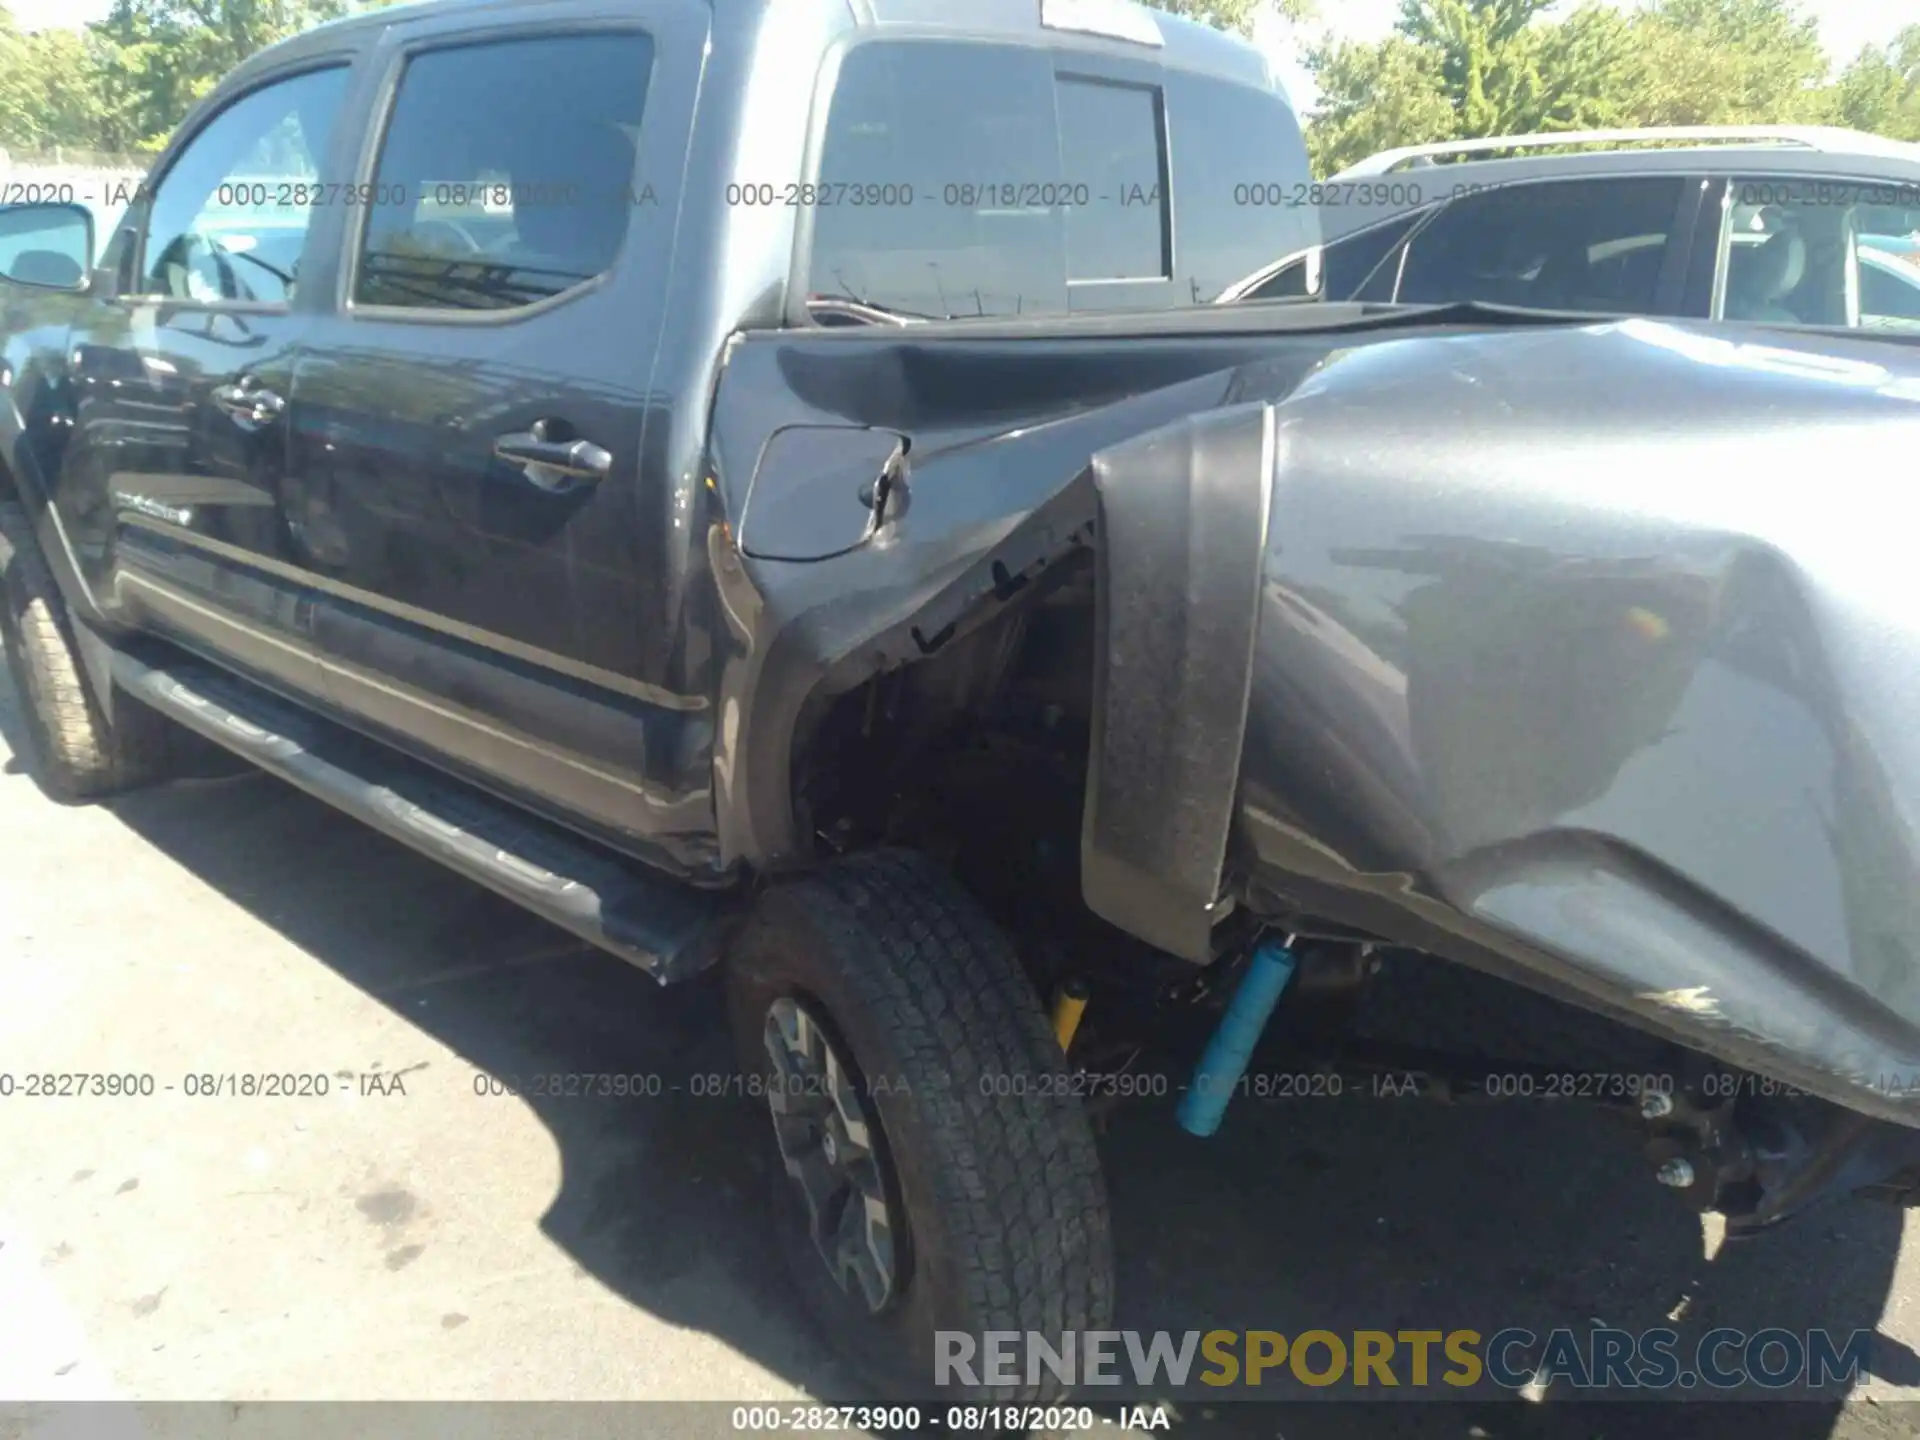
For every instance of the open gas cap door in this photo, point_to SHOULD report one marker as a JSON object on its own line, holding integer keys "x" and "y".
{"x": 822, "y": 490}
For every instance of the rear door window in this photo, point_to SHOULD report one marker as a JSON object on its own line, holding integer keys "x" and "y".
{"x": 495, "y": 192}
{"x": 1582, "y": 245}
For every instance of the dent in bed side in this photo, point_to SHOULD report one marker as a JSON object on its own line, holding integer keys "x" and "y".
{"x": 998, "y": 487}
{"x": 801, "y": 641}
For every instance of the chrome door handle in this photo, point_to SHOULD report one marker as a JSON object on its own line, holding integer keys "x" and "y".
{"x": 554, "y": 464}
{"x": 248, "y": 402}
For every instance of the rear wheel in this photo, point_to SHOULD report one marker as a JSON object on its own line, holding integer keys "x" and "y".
{"x": 934, "y": 1172}
{"x": 74, "y": 752}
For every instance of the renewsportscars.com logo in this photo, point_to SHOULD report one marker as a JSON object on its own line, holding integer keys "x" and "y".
{"x": 1513, "y": 1359}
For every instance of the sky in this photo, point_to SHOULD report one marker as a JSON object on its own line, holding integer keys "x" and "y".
{"x": 1845, "y": 25}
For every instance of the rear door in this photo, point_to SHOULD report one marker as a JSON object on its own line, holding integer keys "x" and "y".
{"x": 468, "y": 424}
{"x": 174, "y": 487}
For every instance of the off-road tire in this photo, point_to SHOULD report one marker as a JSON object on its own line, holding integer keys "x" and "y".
{"x": 74, "y": 754}
{"x": 990, "y": 1157}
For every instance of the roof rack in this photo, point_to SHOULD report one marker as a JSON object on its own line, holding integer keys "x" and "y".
{"x": 1806, "y": 137}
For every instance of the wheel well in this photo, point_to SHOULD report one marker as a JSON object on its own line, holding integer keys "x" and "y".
{"x": 868, "y": 753}
{"x": 978, "y": 757}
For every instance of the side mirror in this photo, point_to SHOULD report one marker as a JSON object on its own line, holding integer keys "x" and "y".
{"x": 46, "y": 246}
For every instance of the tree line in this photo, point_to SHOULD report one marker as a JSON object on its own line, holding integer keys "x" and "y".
{"x": 121, "y": 85}
{"x": 1451, "y": 69}
{"x": 1455, "y": 69}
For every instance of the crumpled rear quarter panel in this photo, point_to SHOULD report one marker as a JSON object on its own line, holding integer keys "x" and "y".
{"x": 1593, "y": 655}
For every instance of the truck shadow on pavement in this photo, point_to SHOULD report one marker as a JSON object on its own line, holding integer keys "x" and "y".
{"x": 1347, "y": 1215}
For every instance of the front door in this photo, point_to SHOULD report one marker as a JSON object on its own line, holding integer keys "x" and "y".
{"x": 173, "y": 487}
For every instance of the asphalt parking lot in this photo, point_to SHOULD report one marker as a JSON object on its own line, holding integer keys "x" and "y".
{"x": 408, "y": 1235}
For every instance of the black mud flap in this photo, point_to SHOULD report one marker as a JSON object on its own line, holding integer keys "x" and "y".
{"x": 1183, "y": 516}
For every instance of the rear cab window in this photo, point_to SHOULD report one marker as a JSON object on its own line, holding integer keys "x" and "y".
{"x": 980, "y": 178}
{"x": 969, "y": 215}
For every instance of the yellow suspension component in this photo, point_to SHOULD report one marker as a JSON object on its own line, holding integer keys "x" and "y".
{"x": 1069, "y": 1004}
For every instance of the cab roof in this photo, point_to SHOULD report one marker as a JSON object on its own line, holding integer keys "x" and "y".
{"x": 1104, "y": 26}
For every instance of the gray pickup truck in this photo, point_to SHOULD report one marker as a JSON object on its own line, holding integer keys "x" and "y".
{"x": 766, "y": 485}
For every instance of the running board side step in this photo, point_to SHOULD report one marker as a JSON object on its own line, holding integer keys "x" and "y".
{"x": 671, "y": 931}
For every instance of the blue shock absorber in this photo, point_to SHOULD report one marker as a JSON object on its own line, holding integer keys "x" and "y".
{"x": 1205, "y": 1104}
